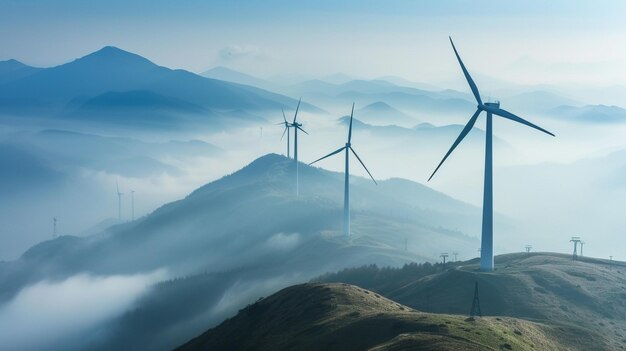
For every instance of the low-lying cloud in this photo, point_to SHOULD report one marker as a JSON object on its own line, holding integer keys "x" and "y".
{"x": 283, "y": 241}
{"x": 62, "y": 315}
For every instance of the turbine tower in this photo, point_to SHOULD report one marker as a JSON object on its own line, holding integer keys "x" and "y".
{"x": 119, "y": 202}
{"x": 286, "y": 130}
{"x": 346, "y": 194}
{"x": 491, "y": 108}
{"x": 296, "y": 126}
{"x": 54, "y": 227}
{"x": 132, "y": 205}
{"x": 575, "y": 240}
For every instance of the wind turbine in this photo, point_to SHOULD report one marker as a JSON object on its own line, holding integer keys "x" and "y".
{"x": 119, "y": 201}
{"x": 286, "y": 130}
{"x": 492, "y": 108}
{"x": 297, "y": 126}
{"x": 132, "y": 205}
{"x": 346, "y": 195}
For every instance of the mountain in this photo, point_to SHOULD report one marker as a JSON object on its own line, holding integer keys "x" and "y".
{"x": 538, "y": 101}
{"x": 583, "y": 300}
{"x": 345, "y": 317}
{"x": 13, "y": 69}
{"x": 138, "y": 108}
{"x": 251, "y": 235}
{"x": 425, "y": 106}
{"x": 590, "y": 114}
{"x": 128, "y": 157}
{"x": 138, "y": 99}
{"x": 381, "y": 113}
{"x": 230, "y": 75}
{"x": 114, "y": 71}
{"x": 423, "y": 134}
{"x": 400, "y": 81}
{"x": 360, "y": 86}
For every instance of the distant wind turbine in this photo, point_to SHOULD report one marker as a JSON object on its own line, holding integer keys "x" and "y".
{"x": 296, "y": 126}
{"x": 119, "y": 201}
{"x": 492, "y": 108}
{"x": 346, "y": 196}
{"x": 286, "y": 130}
{"x": 54, "y": 227}
{"x": 132, "y": 205}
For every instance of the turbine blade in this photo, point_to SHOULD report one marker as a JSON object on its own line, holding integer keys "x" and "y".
{"x": 458, "y": 140}
{"x": 506, "y": 114}
{"x": 297, "y": 108}
{"x": 282, "y": 136}
{"x": 332, "y": 153}
{"x": 285, "y": 118}
{"x": 363, "y": 164}
{"x": 469, "y": 79}
{"x": 305, "y": 132}
{"x": 350, "y": 128}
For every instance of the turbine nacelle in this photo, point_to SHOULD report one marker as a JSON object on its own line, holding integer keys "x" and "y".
{"x": 493, "y": 107}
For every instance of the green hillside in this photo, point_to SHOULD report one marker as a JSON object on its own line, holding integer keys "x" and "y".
{"x": 585, "y": 299}
{"x": 345, "y": 317}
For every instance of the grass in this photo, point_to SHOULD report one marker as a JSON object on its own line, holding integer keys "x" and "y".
{"x": 583, "y": 302}
{"x": 346, "y": 317}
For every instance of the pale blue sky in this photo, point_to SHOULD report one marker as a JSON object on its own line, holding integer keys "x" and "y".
{"x": 523, "y": 41}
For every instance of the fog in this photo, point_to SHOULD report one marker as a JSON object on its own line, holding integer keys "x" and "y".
{"x": 192, "y": 245}
{"x": 63, "y": 315}
{"x": 86, "y": 197}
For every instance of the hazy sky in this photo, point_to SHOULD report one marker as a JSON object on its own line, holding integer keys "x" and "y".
{"x": 552, "y": 42}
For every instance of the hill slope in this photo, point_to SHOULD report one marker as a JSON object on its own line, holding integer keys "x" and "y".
{"x": 345, "y": 317}
{"x": 549, "y": 288}
{"x": 252, "y": 235}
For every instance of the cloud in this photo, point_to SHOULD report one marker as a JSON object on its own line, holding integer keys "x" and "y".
{"x": 237, "y": 53}
{"x": 45, "y": 314}
{"x": 283, "y": 241}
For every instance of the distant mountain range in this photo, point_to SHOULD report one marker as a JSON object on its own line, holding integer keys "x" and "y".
{"x": 250, "y": 228}
{"x": 230, "y": 75}
{"x": 12, "y": 70}
{"x": 423, "y": 134}
{"x": 69, "y": 151}
{"x": 601, "y": 114}
{"x": 113, "y": 79}
{"x": 380, "y": 113}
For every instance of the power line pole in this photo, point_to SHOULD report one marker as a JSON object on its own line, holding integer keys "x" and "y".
{"x": 528, "y": 248}
{"x": 455, "y": 255}
{"x": 475, "y": 311}
{"x": 575, "y": 240}
{"x": 444, "y": 255}
{"x": 582, "y": 243}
